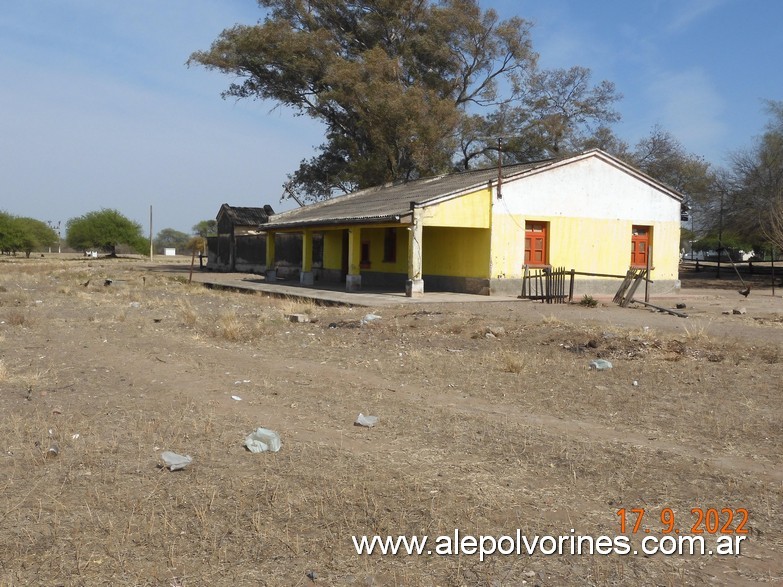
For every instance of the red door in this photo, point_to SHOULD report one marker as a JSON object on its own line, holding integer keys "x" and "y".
{"x": 535, "y": 243}
{"x": 640, "y": 245}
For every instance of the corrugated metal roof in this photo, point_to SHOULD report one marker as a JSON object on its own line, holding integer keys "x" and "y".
{"x": 389, "y": 202}
{"x": 245, "y": 216}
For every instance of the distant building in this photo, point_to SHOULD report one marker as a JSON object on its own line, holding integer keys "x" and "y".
{"x": 240, "y": 244}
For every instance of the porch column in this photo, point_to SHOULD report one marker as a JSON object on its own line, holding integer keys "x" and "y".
{"x": 353, "y": 281}
{"x": 414, "y": 287}
{"x": 306, "y": 274}
{"x": 271, "y": 273}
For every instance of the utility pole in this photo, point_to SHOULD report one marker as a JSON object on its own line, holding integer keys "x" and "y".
{"x": 720, "y": 235}
{"x": 500, "y": 166}
{"x": 150, "y": 232}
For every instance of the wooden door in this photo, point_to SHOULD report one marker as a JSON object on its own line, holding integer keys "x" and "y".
{"x": 640, "y": 245}
{"x": 536, "y": 243}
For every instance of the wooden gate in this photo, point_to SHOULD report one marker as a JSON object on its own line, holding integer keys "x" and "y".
{"x": 628, "y": 288}
{"x": 547, "y": 284}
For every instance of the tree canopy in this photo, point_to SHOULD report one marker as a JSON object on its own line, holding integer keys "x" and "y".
{"x": 754, "y": 185}
{"x": 205, "y": 228}
{"x": 171, "y": 238}
{"x": 24, "y": 234}
{"x": 407, "y": 88}
{"x": 105, "y": 230}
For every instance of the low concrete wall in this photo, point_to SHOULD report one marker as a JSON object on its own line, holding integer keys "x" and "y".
{"x": 588, "y": 286}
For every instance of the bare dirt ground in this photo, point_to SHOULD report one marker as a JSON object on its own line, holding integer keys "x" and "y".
{"x": 485, "y": 434}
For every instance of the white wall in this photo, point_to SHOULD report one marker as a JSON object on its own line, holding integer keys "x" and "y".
{"x": 587, "y": 188}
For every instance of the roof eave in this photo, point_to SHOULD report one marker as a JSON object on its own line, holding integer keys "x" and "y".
{"x": 330, "y": 222}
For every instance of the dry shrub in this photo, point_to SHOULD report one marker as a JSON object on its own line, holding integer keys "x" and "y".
{"x": 187, "y": 312}
{"x": 770, "y": 355}
{"x": 291, "y": 305}
{"x": 17, "y": 318}
{"x": 512, "y": 362}
{"x": 696, "y": 331}
{"x": 229, "y": 326}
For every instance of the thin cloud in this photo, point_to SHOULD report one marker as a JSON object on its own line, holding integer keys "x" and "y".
{"x": 686, "y": 13}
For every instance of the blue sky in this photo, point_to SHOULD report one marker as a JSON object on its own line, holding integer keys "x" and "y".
{"x": 98, "y": 110}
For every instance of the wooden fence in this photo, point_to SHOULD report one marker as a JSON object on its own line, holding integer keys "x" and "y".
{"x": 548, "y": 284}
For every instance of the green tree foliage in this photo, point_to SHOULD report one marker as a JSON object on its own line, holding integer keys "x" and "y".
{"x": 205, "y": 228}
{"x": 24, "y": 234}
{"x": 406, "y": 88}
{"x": 105, "y": 230}
{"x": 10, "y": 239}
{"x": 36, "y": 235}
{"x": 171, "y": 238}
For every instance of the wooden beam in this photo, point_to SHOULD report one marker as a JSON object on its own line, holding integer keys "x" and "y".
{"x": 672, "y": 312}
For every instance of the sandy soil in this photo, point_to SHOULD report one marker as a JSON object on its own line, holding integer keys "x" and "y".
{"x": 490, "y": 422}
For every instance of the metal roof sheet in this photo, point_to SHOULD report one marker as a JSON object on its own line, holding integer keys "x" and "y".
{"x": 389, "y": 202}
{"x": 393, "y": 201}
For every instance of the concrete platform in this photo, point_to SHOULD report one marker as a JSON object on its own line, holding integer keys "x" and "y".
{"x": 321, "y": 293}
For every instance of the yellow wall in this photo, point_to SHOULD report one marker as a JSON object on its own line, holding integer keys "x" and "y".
{"x": 333, "y": 255}
{"x": 333, "y": 249}
{"x": 584, "y": 244}
{"x": 456, "y": 252}
{"x": 376, "y": 236}
{"x": 472, "y": 211}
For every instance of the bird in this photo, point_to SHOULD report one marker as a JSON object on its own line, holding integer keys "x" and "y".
{"x": 744, "y": 292}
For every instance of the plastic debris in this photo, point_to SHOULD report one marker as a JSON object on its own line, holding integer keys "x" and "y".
{"x": 236, "y": 398}
{"x": 263, "y": 440}
{"x": 366, "y": 421}
{"x": 600, "y": 364}
{"x": 174, "y": 461}
{"x": 369, "y": 318}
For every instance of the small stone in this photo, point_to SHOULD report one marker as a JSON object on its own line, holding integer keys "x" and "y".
{"x": 301, "y": 318}
{"x": 680, "y": 306}
{"x": 739, "y": 311}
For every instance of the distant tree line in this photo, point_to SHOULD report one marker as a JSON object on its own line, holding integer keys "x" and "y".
{"x": 19, "y": 234}
{"x": 103, "y": 230}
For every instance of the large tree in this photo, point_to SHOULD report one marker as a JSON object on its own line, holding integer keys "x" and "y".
{"x": 755, "y": 194}
{"x": 171, "y": 238}
{"x": 205, "y": 228}
{"x": 24, "y": 234}
{"x": 36, "y": 235}
{"x": 106, "y": 230}
{"x": 406, "y": 88}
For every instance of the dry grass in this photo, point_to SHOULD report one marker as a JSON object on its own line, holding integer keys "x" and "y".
{"x": 17, "y": 318}
{"x": 482, "y": 434}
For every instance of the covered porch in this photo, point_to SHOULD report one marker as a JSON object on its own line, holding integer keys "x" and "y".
{"x": 396, "y": 256}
